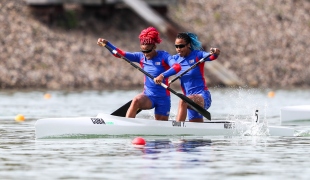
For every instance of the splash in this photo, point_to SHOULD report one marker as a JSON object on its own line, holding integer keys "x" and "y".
{"x": 245, "y": 112}
{"x": 302, "y": 133}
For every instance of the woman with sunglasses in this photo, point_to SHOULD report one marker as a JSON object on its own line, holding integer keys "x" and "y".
{"x": 193, "y": 84}
{"x": 159, "y": 64}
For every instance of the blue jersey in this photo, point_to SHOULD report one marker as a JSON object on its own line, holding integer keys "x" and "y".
{"x": 162, "y": 63}
{"x": 193, "y": 82}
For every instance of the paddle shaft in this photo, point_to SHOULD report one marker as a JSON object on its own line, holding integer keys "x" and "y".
{"x": 191, "y": 103}
{"x": 192, "y": 67}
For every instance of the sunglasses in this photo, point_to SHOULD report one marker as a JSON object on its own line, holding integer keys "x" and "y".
{"x": 179, "y": 46}
{"x": 147, "y": 51}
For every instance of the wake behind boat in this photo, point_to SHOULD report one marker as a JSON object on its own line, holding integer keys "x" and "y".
{"x": 105, "y": 124}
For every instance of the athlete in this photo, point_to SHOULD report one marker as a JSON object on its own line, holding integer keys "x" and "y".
{"x": 157, "y": 63}
{"x": 193, "y": 84}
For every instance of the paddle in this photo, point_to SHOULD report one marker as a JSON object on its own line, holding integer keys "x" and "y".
{"x": 191, "y": 103}
{"x": 192, "y": 67}
{"x": 123, "y": 110}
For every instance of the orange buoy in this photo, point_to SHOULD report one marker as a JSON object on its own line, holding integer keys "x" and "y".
{"x": 271, "y": 94}
{"x": 138, "y": 141}
{"x": 47, "y": 96}
{"x": 19, "y": 118}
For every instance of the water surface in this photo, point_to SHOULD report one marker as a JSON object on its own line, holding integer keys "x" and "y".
{"x": 169, "y": 157}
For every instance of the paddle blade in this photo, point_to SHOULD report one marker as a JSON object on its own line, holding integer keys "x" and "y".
{"x": 123, "y": 110}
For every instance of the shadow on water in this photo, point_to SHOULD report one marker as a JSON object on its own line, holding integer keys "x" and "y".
{"x": 183, "y": 145}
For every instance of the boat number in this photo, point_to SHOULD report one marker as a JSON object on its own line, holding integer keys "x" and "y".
{"x": 97, "y": 120}
{"x": 178, "y": 124}
{"x": 228, "y": 126}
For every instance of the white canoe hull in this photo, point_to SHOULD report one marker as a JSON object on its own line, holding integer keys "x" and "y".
{"x": 294, "y": 113}
{"x": 105, "y": 124}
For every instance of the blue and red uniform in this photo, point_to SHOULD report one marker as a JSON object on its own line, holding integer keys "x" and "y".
{"x": 162, "y": 63}
{"x": 193, "y": 82}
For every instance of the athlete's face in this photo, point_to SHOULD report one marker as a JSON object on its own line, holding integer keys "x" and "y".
{"x": 182, "y": 48}
{"x": 148, "y": 50}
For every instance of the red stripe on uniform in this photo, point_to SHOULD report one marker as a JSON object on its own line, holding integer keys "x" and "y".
{"x": 201, "y": 69}
{"x": 165, "y": 80}
{"x": 213, "y": 57}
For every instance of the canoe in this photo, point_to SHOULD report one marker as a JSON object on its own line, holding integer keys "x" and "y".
{"x": 295, "y": 113}
{"x": 105, "y": 124}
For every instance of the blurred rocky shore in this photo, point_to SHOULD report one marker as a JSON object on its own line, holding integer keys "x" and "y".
{"x": 266, "y": 43}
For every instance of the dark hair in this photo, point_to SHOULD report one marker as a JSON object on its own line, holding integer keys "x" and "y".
{"x": 190, "y": 38}
{"x": 184, "y": 36}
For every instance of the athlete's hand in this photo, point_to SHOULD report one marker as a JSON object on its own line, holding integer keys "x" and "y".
{"x": 102, "y": 42}
{"x": 159, "y": 79}
{"x": 215, "y": 51}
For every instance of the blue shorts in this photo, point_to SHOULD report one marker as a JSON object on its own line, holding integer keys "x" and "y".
{"x": 192, "y": 114}
{"x": 162, "y": 105}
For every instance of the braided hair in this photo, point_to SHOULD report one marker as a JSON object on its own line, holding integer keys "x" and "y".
{"x": 149, "y": 35}
{"x": 192, "y": 39}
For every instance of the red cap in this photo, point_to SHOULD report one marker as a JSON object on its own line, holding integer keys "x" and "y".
{"x": 149, "y": 35}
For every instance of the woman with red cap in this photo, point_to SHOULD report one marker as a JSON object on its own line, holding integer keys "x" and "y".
{"x": 157, "y": 63}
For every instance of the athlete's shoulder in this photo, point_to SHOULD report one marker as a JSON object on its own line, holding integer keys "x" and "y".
{"x": 163, "y": 53}
{"x": 195, "y": 52}
{"x": 198, "y": 53}
{"x": 176, "y": 56}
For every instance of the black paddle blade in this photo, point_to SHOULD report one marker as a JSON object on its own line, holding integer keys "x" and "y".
{"x": 195, "y": 106}
{"x": 123, "y": 110}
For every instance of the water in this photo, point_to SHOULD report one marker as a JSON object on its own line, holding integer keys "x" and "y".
{"x": 168, "y": 157}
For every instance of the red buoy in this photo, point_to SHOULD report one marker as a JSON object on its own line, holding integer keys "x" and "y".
{"x": 138, "y": 141}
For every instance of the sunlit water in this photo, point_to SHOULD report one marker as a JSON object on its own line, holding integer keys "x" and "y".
{"x": 168, "y": 157}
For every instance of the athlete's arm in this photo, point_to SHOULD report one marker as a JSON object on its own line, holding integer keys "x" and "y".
{"x": 131, "y": 56}
{"x": 174, "y": 67}
{"x": 215, "y": 53}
